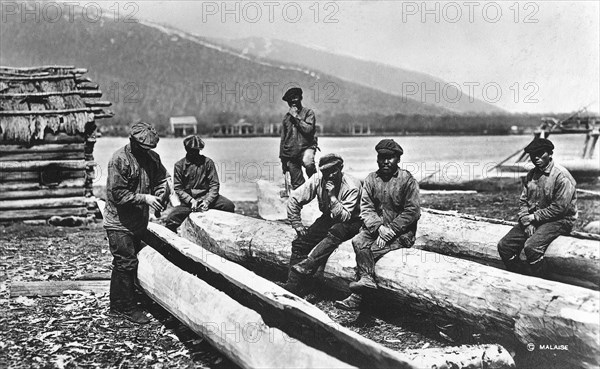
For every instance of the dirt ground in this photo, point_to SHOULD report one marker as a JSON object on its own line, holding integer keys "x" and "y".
{"x": 75, "y": 330}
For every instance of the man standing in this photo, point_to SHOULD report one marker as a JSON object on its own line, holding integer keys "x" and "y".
{"x": 338, "y": 195}
{"x": 196, "y": 183}
{"x": 547, "y": 209}
{"x": 137, "y": 181}
{"x": 298, "y": 141}
{"x": 389, "y": 210}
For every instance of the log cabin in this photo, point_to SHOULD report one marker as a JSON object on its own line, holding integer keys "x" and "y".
{"x": 47, "y": 135}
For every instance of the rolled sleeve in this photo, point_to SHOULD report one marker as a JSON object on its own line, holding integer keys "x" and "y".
{"x": 300, "y": 197}
{"x": 342, "y": 209}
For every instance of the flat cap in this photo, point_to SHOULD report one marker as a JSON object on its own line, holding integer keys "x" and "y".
{"x": 330, "y": 161}
{"x": 144, "y": 134}
{"x": 193, "y": 142}
{"x": 388, "y": 146}
{"x": 539, "y": 144}
{"x": 292, "y": 93}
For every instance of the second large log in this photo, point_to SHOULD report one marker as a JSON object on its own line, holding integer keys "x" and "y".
{"x": 526, "y": 309}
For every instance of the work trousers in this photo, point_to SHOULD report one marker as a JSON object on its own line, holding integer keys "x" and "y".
{"x": 179, "y": 213}
{"x": 322, "y": 238}
{"x": 368, "y": 253}
{"x": 294, "y": 166}
{"x": 516, "y": 240}
{"x": 124, "y": 248}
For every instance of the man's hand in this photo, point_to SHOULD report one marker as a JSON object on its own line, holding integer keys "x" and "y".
{"x": 203, "y": 205}
{"x": 329, "y": 187}
{"x": 530, "y": 230}
{"x": 301, "y": 230}
{"x": 386, "y": 233}
{"x": 293, "y": 111}
{"x": 527, "y": 219}
{"x": 154, "y": 202}
{"x": 380, "y": 243}
{"x": 195, "y": 204}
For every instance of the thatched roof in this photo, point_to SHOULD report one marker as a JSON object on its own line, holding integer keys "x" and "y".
{"x": 53, "y": 99}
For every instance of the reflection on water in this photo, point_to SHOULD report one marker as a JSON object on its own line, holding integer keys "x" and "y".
{"x": 242, "y": 161}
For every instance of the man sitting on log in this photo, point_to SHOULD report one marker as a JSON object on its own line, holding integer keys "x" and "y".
{"x": 338, "y": 195}
{"x": 196, "y": 183}
{"x": 389, "y": 210}
{"x": 137, "y": 181}
{"x": 547, "y": 209}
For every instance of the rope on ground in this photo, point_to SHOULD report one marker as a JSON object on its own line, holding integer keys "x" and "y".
{"x": 576, "y": 234}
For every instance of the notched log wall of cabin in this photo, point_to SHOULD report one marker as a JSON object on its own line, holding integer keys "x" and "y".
{"x": 47, "y": 138}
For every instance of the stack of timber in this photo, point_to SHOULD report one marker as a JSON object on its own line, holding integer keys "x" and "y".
{"x": 257, "y": 324}
{"x": 513, "y": 307}
{"x": 47, "y": 137}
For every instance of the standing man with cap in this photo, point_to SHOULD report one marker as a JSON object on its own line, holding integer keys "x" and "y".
{"x": 338, "y": 195}
{"x": 196, "y": 183}
{"x": 298, "y": 142}
{"x": 547, "y": 209}
{"x": 137, "y": 181}
{"x": 389, "y": 210}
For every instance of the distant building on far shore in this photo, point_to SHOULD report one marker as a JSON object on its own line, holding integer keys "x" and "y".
{"x": 183, "y": 126}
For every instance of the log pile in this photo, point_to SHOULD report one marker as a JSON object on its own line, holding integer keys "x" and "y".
{"x": 47, "y": 137}
{"x": 507, "y": 305}
{"x": 241, "y": 314}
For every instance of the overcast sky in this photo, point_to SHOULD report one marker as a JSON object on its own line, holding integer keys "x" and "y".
{"x": 541, "y": 56}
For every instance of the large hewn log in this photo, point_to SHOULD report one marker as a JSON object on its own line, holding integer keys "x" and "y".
{"x": 293, "y": 315}
{"x": 527, "y": 309}
{"x": 36, "y": 194}
{"x": 60, "y": 202}
{"x": 571, "y": 260}
{"x": 234, "y": 329}
{"x": 35, "y": 185}
{"x": 22, "y": 214}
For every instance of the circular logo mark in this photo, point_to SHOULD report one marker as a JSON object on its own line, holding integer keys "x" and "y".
{"x": 530, "y": 346}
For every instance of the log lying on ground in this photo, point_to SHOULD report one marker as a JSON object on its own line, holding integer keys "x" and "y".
{"x": 42, "y": 193}
{"x": 526, "y": 309}
{"x": 41, "y": 213}
{"x": 305, "y": 322}
{"x": 237, "y": 331}
{"x": 571, "y": 260}
{"x": 59, "y": 202}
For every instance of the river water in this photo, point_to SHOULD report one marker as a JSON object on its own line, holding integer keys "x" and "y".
{"x": 242, "y": 161}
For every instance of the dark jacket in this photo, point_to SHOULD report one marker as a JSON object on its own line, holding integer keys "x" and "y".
{"x": 196, "y": 178}
{"x": 297, "y": 135}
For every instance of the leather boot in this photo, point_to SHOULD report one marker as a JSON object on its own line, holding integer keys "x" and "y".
{"x": 515, "y": 265}
{"x": 305, "y": 267}
{"x": 364, "y": 284}
{"x": 538, "y": 269}
{"x": 293, "y": 283}
{"x": 121, "y": 298}
{"x": 350, "y": 303}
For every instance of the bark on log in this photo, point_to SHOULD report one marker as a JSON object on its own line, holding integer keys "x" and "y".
{"x": 571, "y": 260}
{"x": 14, "y": 149}
{"x": 237, "y": 331}
{"x": 22, "y": 186}
{"x": 36, "y": 194}
{"x": 292, "y": 314}
{"x": 61, "y": 202}
{"x": 526, "y": 309}
{"x": 23, "y": 214}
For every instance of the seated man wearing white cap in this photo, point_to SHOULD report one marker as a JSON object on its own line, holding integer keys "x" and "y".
{"x": 338, "y": 195}
{"x": 196, "y": 183}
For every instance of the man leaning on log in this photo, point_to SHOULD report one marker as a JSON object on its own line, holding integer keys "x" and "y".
{"x": 547, "y": 209}
{"x": 338, "y": 195}
{"x": 196, "y": 183}
{"x": 389, "y": 210}
{"x": 137, "y": 181}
